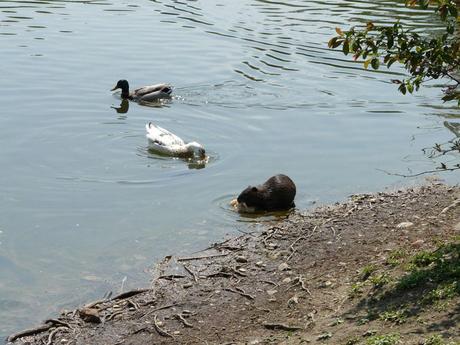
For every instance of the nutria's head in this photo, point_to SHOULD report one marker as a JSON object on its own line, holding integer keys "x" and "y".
{"x": 251, "y": 197}
{"x": 123, "y": 85}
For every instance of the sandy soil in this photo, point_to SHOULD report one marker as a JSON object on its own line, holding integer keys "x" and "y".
{"x": 334, "y": 275}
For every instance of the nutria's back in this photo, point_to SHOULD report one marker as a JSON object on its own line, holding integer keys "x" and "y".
{"x": 277, "y": 193}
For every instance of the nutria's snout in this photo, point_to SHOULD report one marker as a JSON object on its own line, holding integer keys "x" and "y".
{"x": 275, "y": 194}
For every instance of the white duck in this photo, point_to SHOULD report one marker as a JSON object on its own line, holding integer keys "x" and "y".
{"x": 165, "y": 142}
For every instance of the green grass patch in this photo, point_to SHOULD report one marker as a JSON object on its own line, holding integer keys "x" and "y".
{"x": 366, "y": 272}
{"x": 387, "y": 339}
{"x": 437, "y": 339}
{"x": 398, "y": 316}
{"x": 395, "y": 257}
{"x": 380, "y": 280}
{"x": 438, "y": 267}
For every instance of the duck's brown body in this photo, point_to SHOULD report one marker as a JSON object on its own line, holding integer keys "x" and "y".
{"x": 149, "y": 93}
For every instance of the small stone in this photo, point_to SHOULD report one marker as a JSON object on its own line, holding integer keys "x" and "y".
{"x": 326, "y": 284}
{"x": 241, "y": 259}
{"x": 404, "y": 225}
{"x": 417, "y": 244}
{"x": 187, "y": 285}
{"x": 271, "y": 292}
{"x": 242, "y": 269}
{"x": 89, "y": 315}
{"x": 286, "y": 280}
{"x": 283, "y": 267}
{"x": 176, "y": 332}
{"x": 259, "y": 263}
{"x": 293, "y": 301}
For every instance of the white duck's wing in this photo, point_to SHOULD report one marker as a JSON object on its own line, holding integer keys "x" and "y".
{"x": 153, "y": 91}
{"x": 161, "y": 136}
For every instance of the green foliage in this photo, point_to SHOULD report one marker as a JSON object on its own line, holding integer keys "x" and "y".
{"x": 356, "y": 290}
{"x": 353, "y": 341}
{"x": 440, "y": 267}
{"x": 398, "y": 316}
{"x": 437, "y": 339}
{"x": 395, "y": 257}
{"x": 442, "y": 292}
{"x": 366, "y": 271}
{"x": 380, "y": 280}
{"x": 387, "y": 339}
{"x": 424, "y": 58}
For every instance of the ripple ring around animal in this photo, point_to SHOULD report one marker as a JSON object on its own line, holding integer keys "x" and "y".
{"x": 165, "y": 142}
{"x": 275, "y": 194}
{"x": 149, "y": 93}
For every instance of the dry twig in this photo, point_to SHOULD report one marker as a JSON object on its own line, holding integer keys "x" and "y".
{"x": 160, "y": 331}
{"x": 53, "y": 333}
{"x": 281, "y": 326}
{"x": 201, "y": 257}
{"x": 185, "y": 322}
{"x": 240, "y": 292}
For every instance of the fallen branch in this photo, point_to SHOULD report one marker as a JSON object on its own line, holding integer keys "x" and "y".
{"x": 451, "y": 206}
{"x": 201, "y": 257}
{"x": 185, "y": 322}
{"x": 300, "y": 280}
{"x": 129, "y": 294}
{"x": 53, "y": 333}
{"x": 171, "y": 276}
{"x": 191, "y": 273}
{"x": 240, "y": 292}
{"x": 134, "y": 304}
{"x": 160, "y": 331}
{"x": 159, "y": 308}
{"x": 112, "y": 316}
{"x": 30, "y": 331}
{"x": 281, "y": 326}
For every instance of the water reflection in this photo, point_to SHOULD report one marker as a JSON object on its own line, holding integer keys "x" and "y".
{"x": 192, "y": 163}
{"x": 123, "y": 108}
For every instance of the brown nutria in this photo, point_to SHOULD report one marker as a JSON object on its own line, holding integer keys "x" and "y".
{"x": 277, "y": 193}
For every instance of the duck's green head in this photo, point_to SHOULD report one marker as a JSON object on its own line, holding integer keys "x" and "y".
{"x": 123, "y": 85}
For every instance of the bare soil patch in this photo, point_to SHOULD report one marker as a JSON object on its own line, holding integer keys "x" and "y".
{"x": 377, "y": 269}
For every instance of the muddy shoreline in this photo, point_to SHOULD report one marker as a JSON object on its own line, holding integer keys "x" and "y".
{"x": 329, "y": 275}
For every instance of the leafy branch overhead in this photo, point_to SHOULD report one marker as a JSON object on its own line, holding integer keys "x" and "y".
{"x": 425, "y": 57}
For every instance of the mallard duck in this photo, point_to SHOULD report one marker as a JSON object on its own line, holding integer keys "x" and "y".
{"x": 165, "y": 142}
{"x": 149, "y": 93}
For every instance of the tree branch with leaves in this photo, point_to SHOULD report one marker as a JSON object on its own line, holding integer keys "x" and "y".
{"x": 424, "y": 57}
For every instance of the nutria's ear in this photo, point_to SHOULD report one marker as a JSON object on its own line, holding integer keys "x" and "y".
{"x": 254, "y": 189}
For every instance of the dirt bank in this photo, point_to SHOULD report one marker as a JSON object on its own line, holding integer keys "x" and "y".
{"x": 377, "y": 269}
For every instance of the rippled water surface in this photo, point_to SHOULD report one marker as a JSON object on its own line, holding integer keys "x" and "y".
{"x": 85, "y": 208}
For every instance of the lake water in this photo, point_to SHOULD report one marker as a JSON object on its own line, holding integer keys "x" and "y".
{"x": 85, "y": 208}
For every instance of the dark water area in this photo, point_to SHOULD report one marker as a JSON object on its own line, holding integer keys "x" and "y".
{"x": 84, "y": 206}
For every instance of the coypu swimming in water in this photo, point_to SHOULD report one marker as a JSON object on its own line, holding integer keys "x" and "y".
{"x": 275, "y": 194}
